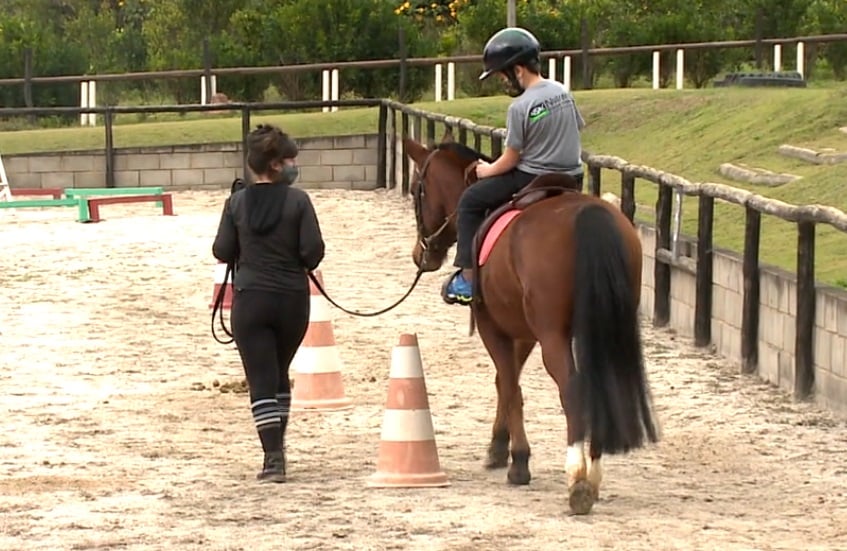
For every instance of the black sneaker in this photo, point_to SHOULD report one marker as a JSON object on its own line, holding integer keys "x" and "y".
{"x": 273, "y": 469}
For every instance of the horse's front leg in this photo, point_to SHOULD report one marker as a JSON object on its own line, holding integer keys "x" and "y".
{"x": 508, "y": 356}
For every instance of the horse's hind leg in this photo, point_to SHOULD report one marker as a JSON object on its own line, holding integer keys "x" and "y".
{"x": 558, "y": 359}
{"x": 508, "y": 356}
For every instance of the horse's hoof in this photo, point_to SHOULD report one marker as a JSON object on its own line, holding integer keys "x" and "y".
{"x": 581, "y": 497}
{"x": 518, "y": 477}
{"x": 493, "y": 463}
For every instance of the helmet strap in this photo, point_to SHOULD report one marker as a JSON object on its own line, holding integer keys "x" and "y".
{"x": 514, "y": 87}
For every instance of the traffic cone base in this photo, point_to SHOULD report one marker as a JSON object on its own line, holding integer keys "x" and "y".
{"x": 316, "y": 366}
{"x": 407, "y": 456}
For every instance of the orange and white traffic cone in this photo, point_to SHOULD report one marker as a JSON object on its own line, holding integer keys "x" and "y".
{"x": 220, "y": 272}
{"x": 408, "y": 456}
{"x": 317, "y": 364}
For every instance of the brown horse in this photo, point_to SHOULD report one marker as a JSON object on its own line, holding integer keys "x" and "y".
{"x": 568, "y": 267}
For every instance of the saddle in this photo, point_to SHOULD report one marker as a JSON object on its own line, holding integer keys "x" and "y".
{"x": 542, "y": 187}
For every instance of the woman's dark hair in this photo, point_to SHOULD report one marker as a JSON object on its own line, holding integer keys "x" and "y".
{"x": 267, "y": 143}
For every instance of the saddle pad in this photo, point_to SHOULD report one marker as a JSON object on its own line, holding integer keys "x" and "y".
{"x": 494, "y": 233}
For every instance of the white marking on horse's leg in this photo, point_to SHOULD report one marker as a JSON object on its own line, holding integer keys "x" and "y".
{"x": 575, "y": 463}
{"x": 595, "y": 474}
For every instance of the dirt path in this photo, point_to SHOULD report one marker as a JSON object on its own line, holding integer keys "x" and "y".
{"x": 105, "y": 333}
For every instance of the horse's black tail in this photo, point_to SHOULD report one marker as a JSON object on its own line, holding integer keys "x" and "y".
{"x": 611, "y": 374}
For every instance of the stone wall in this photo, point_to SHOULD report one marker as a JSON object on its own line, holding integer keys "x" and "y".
{"x": 777, "y": 313}
{"x": 341, "y": 162}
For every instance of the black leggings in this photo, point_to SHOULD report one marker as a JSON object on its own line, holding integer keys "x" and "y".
{"x": 268, "y": 328}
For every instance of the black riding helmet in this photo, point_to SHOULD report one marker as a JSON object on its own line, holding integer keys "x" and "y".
{"x": 509, "y": 47}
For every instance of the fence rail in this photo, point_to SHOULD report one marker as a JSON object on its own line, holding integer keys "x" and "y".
{"x": 806, "y": 217}
{"x": 421, "y": 125}
{"x": 415, "y": 62}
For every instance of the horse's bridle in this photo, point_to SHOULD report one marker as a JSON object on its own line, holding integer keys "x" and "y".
{"x": 426, "y": 241}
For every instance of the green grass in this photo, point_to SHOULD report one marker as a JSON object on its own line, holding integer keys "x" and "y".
{"x": 689, "y": 133}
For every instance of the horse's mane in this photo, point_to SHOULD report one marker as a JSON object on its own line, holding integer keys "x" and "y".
{"x": 464, "y": 151}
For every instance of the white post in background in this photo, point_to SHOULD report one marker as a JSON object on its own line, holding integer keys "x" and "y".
{"x": 214, "y": 85}
{"x": 680, "y": 69}
{"x": 451, "y": 81}
{"x": 83, "y": 102}
{"x": 203, "y": 99}
{"x": 566, "y": 76}
{"x": 92, "y": 102}
{"x": 334, "y": 86}
{"x": 325, "y": 88}
{"x": 657, "y": 60}
{"x": 437, "y": 82}
{"x": 551, "y": 68}
{"x": 801, "y": 59}
{"x": 777, "y": 57}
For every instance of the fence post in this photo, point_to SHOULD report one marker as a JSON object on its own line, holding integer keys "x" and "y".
{"x": 403, "y": 55}
{"x": 207, "y": 73}
{"x": 705, "y": 272}
{"x": 28, "y": 81}
{"x": 404, "y": 159}
{"x": 110, "y": 148}
{"x": 628, "y": 195}
{"x": 662, "y": 270}
{"x": 804, "y": 365}
{"x": 381, "y": 147}
{"x": 594, "y": 172}
{"x": 392, "y": 150}
{"x": 586, "y": 59}
{"x": 752, "y": 284}
{"x": 245, "y": 130}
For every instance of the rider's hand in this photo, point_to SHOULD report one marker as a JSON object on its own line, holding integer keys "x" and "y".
{"x": 482, "y": 169}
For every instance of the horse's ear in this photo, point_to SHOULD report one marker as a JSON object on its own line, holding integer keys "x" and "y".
{"x": 448, "y": 136}
{"x": 416, "y": 151}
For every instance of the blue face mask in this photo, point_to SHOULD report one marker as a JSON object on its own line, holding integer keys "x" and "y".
{"x": 289, "y": 174}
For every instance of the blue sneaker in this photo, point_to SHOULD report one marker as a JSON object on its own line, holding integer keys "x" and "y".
{"x": 457, "y": 289}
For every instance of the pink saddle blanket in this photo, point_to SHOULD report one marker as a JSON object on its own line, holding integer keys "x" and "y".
{"x": 495, "y": 232}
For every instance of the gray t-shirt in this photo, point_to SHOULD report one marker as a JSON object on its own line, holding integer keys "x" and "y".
{"x": 543, "y": 124}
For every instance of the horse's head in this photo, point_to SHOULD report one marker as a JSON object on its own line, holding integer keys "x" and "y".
{"x": 441, "y": 175}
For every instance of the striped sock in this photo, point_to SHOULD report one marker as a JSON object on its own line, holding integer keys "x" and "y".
{"x": 268, "y": 423}
{"x": 284, "y": 401}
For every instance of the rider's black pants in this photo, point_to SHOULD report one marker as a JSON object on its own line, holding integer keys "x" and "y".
{"x": 486, "y": 194}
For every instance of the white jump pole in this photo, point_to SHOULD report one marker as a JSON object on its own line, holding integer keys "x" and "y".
{"x": 83, "y": 102}
{"x": 325, "y": 88}
{"x": 551, "y": 68}
{"x": 801, "y": 59}
{"x": 437, "y": 82}
{"x": 334, "y": 88}
{"x": 680, "y": 69}
{"x": 451, "y": 81}
{"x": 566, "y": 73}
{"x": 657, "y": 61}
{"x": 777, "y": 57}
{"x": 92, "y": 101}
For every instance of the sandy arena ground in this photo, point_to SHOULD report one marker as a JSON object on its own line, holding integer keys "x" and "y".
{"x": 109, "y": 442}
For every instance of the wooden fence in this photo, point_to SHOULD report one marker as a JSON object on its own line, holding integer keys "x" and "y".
{"x": 422, "y": 126}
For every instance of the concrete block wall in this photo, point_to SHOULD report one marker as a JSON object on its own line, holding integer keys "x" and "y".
{"x": 777, "y": 315}
{"x": 341, "y": 162}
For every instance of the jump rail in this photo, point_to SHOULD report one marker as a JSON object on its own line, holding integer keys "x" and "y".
{"x": 414, "y": 121}
{"x": 94, "y": 203}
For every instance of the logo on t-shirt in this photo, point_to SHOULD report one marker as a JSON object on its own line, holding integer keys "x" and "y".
{"x": 538, "y": 112}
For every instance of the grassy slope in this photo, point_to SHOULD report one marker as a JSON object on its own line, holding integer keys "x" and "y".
{"x": 687, "y": 132}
